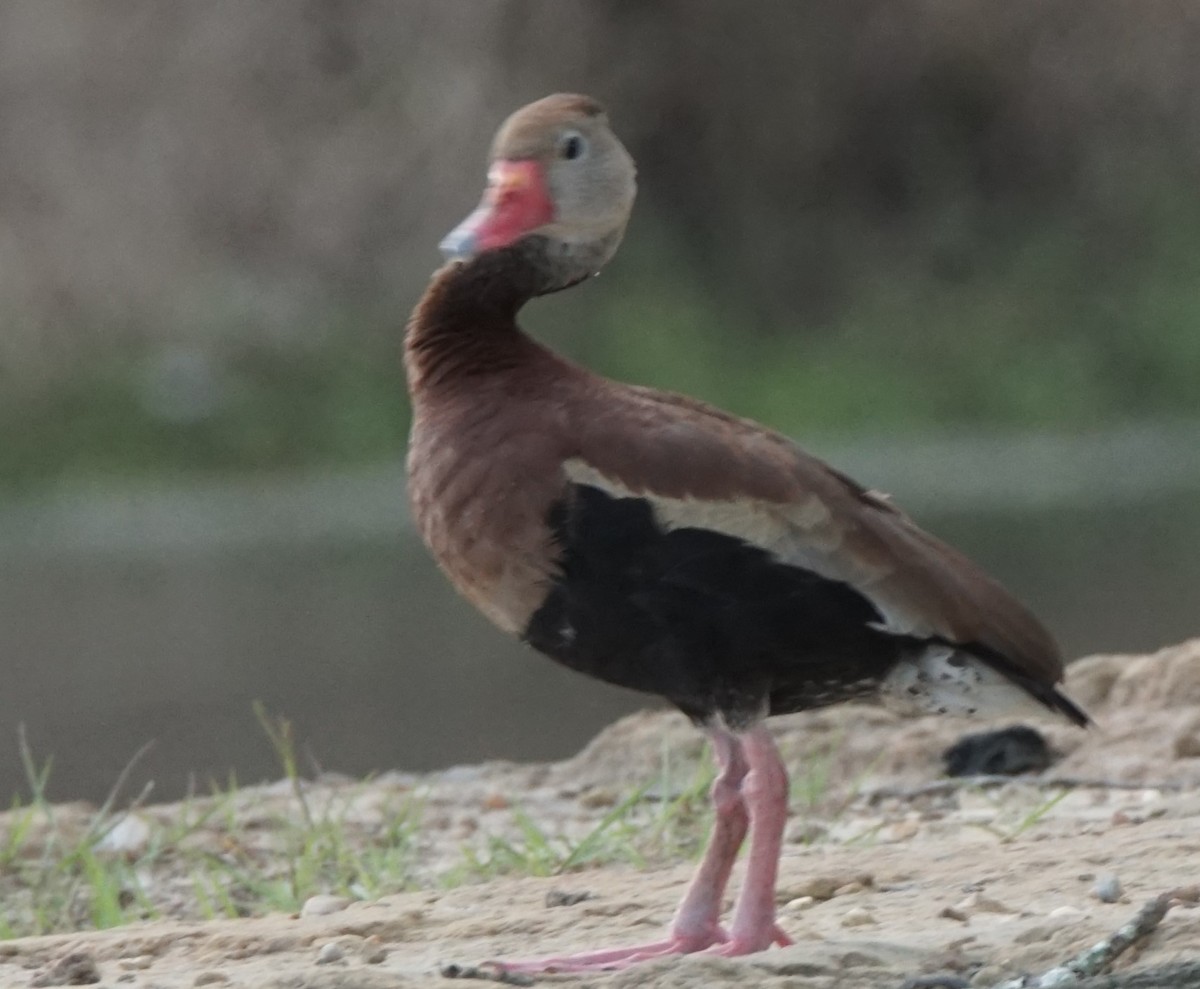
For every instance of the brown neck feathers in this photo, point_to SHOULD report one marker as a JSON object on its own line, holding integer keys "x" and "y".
{"x": 465, "y": 323}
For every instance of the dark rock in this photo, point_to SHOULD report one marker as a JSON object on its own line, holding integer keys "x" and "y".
{"x": 76, "y": 969}
{"x": 1007, "y": 752}
{"x": 567, "y": 898}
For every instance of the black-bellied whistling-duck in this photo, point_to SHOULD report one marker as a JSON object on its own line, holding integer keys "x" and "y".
{"x": 658, "y": 543}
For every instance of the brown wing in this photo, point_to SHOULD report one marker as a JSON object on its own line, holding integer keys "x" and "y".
{"x": 703, "y": 467}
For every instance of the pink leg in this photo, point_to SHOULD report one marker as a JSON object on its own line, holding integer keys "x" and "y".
{"x": 765, "y": 791}
{"x": 697, "y": 922}
{"x": 750, "y": 773}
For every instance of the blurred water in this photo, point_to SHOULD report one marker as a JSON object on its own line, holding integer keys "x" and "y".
{"x": 164, "y": 614}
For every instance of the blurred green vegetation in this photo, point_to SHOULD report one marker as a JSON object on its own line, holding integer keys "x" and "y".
{"x": 854, "y": 218}
{"x": 280, "y": 410}
{"x": 984, "y": 319}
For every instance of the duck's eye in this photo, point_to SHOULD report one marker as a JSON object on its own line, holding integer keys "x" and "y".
{"x": 572, "y": 146}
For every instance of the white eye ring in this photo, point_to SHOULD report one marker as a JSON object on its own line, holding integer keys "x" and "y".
{"x": 572, "y": 145}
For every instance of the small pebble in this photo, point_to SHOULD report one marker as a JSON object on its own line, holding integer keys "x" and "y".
{"x": 1188, "y": 894}
{"x": 135, "y": 963}
{"x": 330, "y": 953}
{"x": 599, "y": 797}
{"x": 857, "y": 917}
{"x": 486, "y": 973}
{"x": 77, "y": 968}
{"x": 978, "y": 903}
{"x": 1187, "y": 745}
{"x": 1107, "y": 888}
{"x": 953, "y": 913}
{"x": 323, "y": 904}
{"x": 211, "y": 979}
{"x": 373, "y": 951}
{"x": 1067, "y": 911}
{"x": 989, "y": 975}
{"x": 901, "y": 830}
{"x": 849, "y": 889}
{"x": 1037, "y": 934}
{"x": 805, "y": 832}
{"x": 129, "y": 836}
{"x": 800, "y": 903}
{"x": 568, "y": 897}
{"x": 823, "y": 887}
{"x": 818, "y": 887}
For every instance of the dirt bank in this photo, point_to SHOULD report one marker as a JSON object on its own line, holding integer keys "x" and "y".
{"x": 985, "y": 881}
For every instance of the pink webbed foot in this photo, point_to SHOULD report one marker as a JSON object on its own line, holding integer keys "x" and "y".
{"x": 733, "y": 947}
{"x": 609, "y": 959}
{"x": 718, "y": 944}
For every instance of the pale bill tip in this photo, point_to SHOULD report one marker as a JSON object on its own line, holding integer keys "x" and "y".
{"x": 459, "y": 244}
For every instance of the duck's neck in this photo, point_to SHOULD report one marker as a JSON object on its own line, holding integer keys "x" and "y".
{"x": 465, "y": 323}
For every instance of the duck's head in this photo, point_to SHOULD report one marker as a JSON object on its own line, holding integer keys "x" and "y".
{"x": 560, "y": 184}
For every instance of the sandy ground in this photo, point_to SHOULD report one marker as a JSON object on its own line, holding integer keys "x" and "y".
{"x": 886, "y": 879}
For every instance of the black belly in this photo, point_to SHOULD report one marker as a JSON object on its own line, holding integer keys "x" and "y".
{"x": 706, "y": 620}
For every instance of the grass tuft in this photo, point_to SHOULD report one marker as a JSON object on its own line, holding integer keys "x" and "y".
{"x": 665, "y": 820}
{"x": 228, "y": 854}
{"x": 1010, "y": 831}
